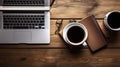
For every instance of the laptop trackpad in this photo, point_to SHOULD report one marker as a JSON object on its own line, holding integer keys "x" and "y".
{"x": 22, "y": 37}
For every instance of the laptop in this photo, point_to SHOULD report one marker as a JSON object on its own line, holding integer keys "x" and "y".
{"x": 25, "y": 21}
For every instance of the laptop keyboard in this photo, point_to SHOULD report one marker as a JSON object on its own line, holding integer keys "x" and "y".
{"x": 23, "y": 21}
{"x": 24, "y": 2}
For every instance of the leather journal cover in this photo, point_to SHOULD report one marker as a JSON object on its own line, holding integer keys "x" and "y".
{"x": 96, "y": 39}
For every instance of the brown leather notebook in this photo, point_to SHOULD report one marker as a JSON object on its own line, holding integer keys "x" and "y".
{"x": 96, "y": 39}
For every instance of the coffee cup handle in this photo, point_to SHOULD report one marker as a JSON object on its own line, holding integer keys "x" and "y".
{"x": 85, "y": 44}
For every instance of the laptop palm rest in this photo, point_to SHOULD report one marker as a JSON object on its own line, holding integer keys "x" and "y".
{"x": 20, "y": 36}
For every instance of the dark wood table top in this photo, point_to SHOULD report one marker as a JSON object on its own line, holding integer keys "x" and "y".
{"x": 56, "y": 54}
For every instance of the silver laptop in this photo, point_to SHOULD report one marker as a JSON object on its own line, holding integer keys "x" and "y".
{"x": 25, "y": 21}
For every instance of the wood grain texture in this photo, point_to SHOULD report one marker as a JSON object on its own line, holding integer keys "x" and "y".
{"x": 58, "y": 58}
{"x": 56, "y": 54}
{"x": 82, "y": 8}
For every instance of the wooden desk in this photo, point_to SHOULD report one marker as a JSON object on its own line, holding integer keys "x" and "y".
{"x": 56, "y": 54}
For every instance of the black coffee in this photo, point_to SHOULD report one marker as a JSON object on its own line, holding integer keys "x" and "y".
{"x": 114, "y": 20}
{"x": 75, "y": 34}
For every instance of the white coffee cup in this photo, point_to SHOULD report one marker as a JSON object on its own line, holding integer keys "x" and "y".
{"x": 112, "y": 20}
{"x": 75, "y": 34}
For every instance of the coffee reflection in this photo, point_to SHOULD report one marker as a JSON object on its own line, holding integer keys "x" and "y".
{"x": 114, "y": 20}
{"x": 75, "y": 34}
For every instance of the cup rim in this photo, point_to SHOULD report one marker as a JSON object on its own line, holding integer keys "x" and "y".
{"x": 72, "y": 25}
{"x": 106, "y": 21}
